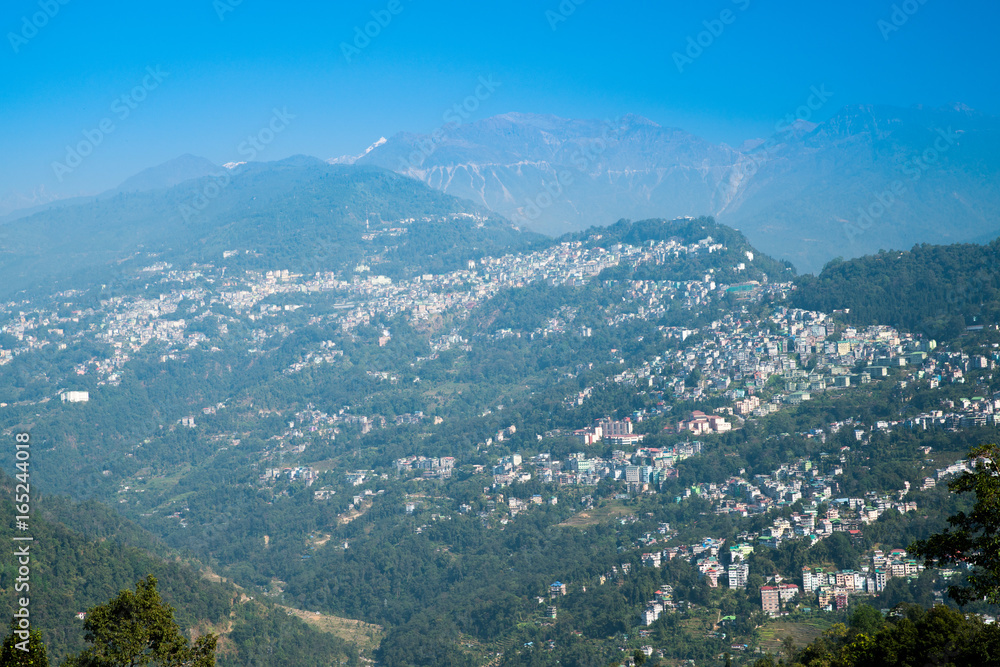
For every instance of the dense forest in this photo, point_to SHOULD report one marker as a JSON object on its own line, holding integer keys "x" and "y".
{"x": 931, "y": 289}
{"x": 909, "y": 635}
{"x": 73, "y": 569}
{"x": 299, "y": 214}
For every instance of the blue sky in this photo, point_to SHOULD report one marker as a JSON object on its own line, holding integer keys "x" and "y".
{"x": 225, "y": 65}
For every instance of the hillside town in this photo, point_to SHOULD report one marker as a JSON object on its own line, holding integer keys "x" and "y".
{"x": 729, "y": 371}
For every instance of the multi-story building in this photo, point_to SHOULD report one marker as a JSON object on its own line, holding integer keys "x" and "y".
{"x": 738, "y": 574}
{"x": 770, "y": 600}
{"x": 812, "y": 579}
{"x": 880, "y": 579}
{"x": 787, "y": 591}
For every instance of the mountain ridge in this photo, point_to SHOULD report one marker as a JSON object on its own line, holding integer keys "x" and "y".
{"x": 869, "y": 177}
{"x": 299, "y": 211}
{"x": 556, "y": 175}
{"x": 168, "y": 174}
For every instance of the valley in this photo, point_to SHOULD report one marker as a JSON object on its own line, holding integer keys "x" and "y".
{"x": 637, "y": 410}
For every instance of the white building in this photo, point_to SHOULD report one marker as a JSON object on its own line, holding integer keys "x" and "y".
{"x": 738, "y": 574}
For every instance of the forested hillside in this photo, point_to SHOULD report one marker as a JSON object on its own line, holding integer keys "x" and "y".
{"x": 73, "y": 569}
{"x": 932, "y": 289}
{"x": 405, "y": 458}
{"x": 300, "y": 214}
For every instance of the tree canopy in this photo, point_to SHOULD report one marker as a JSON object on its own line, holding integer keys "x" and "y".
{"x": 974, "y": 537}
{"x": 911, "y": 636}
{"x": 136, "y": 629}
{"x": 13, "y": 654}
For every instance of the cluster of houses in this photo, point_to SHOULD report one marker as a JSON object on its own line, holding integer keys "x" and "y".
{"x": 326, "y": 354}
{"x": 704, "y": 555}
{"x": 828, "y": 590}
{"x": 833, "y": 589}
{"x": 426, "y": 296}
{"x": 788, "y": 484}
{"x": 427, "y": 467}
{"x": 664, "y": 601}
{"x": 643, "y": 469}
{"x": 614, "y": 433}
{"x": 737, "y": 359}
{"x": 357, "y": 477}
{"x": 959, "y": 414}
{"x": 303, "y": 473}
{"x": 803, "y": 480}
{"x": 126, "y": 324}
{"x": 771, "y": 597}
{"x": 941, "y": 474}
{"x": 496, "y": 503}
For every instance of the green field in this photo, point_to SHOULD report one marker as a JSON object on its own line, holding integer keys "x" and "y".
{"x": 592, "y": 517}
{"x": 774, "y": 632}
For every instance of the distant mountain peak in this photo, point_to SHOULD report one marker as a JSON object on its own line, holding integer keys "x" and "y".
{"x": 632, "y": 119}
{"x": 378, "y": 143}
{"x": 555, "y": 174}
{"x": 298, "y": 160}
{"x": 801, "y": 125}
{"x": 168, "y": 174}
{"x": 351, "y": 159}
{"x": 796, "y": 130}
{"x": 15, "y": 200}
{"x": 523, "y": 117}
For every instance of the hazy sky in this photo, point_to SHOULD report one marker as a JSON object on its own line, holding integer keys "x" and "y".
{"x": 221, "y": 68}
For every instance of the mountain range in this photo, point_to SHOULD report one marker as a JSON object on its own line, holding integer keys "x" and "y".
{"x": 868, "y": 178}
{"x": 299, "y": 213}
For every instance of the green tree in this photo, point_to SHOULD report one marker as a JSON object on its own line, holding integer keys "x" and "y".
{"x": 913, "y": 636}
{"x": 866, "y": 619}
{"x": 974, "y": 537}
{"x": 13, "y": 656}
{"x": 137, "y": 629}
{"x": 788, "y": 646}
